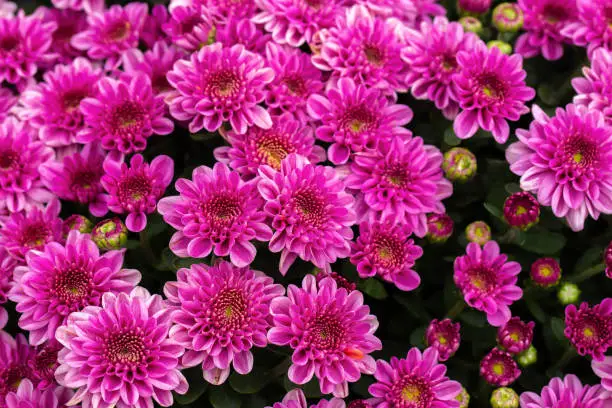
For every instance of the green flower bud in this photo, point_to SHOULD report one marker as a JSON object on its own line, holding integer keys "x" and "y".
{"x": 478, "y": 232}
{"x": 463, "y": 398}
{"x": 504, "y": 47}
{"x": 504, "y": 398}
{"x": 459, "y": 164}
{"x": 528, "y": 357}
{"x": 110, "y": 234}
{"x": 77, "y": 222}
{"x": 568, "y": 293}
{"x": 508, "y": 17}
{"x": 471, "y": 24}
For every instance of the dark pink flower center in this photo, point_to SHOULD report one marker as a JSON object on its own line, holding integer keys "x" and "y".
{"x": 576, "y": 156}
{"x": 230, "y": 308}
{"x": 412, "y": 392}
{"x": 64, "y": 32}
{"x": 493, "y": 87}
{"x": 311, "y": 207}
{"x": 9, "y": 160}
{"x": 127, "y": 118}
{"x": 132, "y": 190}
{"x": 448, "y": 62}
{"x": 72, "y": 286}
{"x": 11, "y": 377}
{"x": 224, "y": 83}
{"x": 482, "y": 279}
{"x": 45, "y": 362}
{"x": 295, "y": 85}
{"x": 72, "y": 99}
{"x": 315, "y": 4}
{"x": 222, "y": 209}
{"x": 118, "y": 31}
{"x": 273, "y": 147}
{"x": 85, "y": 181}
{"x": 396, "y": 176}
{"x": 9, "y": 43}
{"x": 125, "y": 347}
{"x": 160, "y": 83}
{"x": 554, "y": 13}
{"x": 374, "y": 55}
{"x": 35, "y": 235}
{"x": 591, "y": 330}
{"x": 358, "y": 118}
{"x": 326, "y": 333}
{"x": 388, "y": 250}
{"x": 500, "y": 365}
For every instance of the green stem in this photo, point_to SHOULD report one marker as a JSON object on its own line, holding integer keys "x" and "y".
{"x": 146, "y": 247}
{"x": 281, "y": 369}
{"x": 456, "y": 309}
{"x": 587, "y": 273}
{"x": 568, "y": 356}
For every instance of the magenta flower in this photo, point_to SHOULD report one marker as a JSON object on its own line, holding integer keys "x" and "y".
{"x": 152, "y": 30}
{"x": 62, "y": 279}
{"x": 7, "y": 265}
{"x": 8, "y": 103}
{"x": 52, "y": 107}
{"x": 355, "y": 118}
{"x": 269, "y": 146}
{"x": 440, "y": 227}
{"x": 488, "y": 281}
{"x": 69, "y": 23}
{"x": 384, "y": 249}
{"x": 521, "y": 210}
{"x": 415, "y": 381}
{"x": 112, "y": 32}
{"x": 190, "y": 27}
{"x": 566, "y": 392}
{"x": 515, "y": 336}
{"x": 295, "y": 22}
{"x": 309, "y": 211}
{"x": 491, "y": 90}
{"x": 296, "y": 79}
{"x": 120, "y": 354}
{"x": 400, "y": 181}
{"x": 405, "y": 10}
{"x": 24, "y": 45}
{"x": 43, "y": 363}
{"x": 225, "y": 10}
{"x": 594, "y": 91}
{"x": 86, "y": 5}
{"x": 136, "y": 189}
{"x": 33, "y": 229}
{"x": 589, "y": 329}
{"x": 245, "y": 32}
{"x": 14, "y": 356}
{"x": 431, "y": 55}
{"x": 499, "y": 368}
{"x": 216, "y": 212}
{"x": 365, "y": 49}
{"x": 443, "y": 336}
{"x": 544, "y": 20}
{"x": 29, "y": 396}
{"x": 592, "y": 28}
{"x": 564, "y": 160}
{"x": 330, "y": 331}
{"x": 341, "y": 281}
{"x": 237, "y": 301}
{"x": 232, "y": 86}
{"x": 545, "y": 272}
{"x": 603, "y": 369}
{"x": 123, "y": 114}
{"x": 296, "y": 399}
{"x": 155, "y": 63}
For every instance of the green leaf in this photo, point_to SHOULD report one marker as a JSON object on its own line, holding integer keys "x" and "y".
{"x": 536, "y": 310}
{"x": 224, "y": 397}
{"x": 543, "y": 242}
{"x": 417, "y": 337}
{"x": 450, "y": 138}
{"x": 494, "y": 211}
{"x": 591, "y": 257}
{"x": 250, "y": 383}
{"x": 473, "y": 318}
{"x": 373, "y": 288}
{"x": 558, "y": 328}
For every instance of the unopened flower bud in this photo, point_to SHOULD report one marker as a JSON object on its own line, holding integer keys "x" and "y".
{"x": 474, "y": 7}
{"x": 439, "y": 227}
{"x": 504, "y": 47}
{"x": 478, "y": 232}
{"x": 463, "y": 398}
{"x": 77, "y": 222}
{"x": 545, "y": 272}
{"x": 471, "y": 24}
{"x": 521, "y": 210}
{"x": 504, "y": 398}
{"x": 459, "y": 164}
{"x": 568, "y": 293}
{"x": 528, "y": 357}
{"x": 110, "y": 234}
{"x": 508, "y": 17}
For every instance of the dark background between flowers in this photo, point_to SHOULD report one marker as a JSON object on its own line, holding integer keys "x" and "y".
{"x": 403, "y": 316}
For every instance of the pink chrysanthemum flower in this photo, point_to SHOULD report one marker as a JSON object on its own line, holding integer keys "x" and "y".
{"x": 545, "y": 272}
{"x": 415, "y": 381}
{"x": 330, "y": 331}
{"x": 564, "y": 160}
{"x": 515, "y": 336}
{"x": 33, "y": 229}
{"x": 295, "y": 22}
{"x": 20, "y": 157}
{"x": 76, "y": 177}
{"x": 401, "y": 181}
{"x": 43, "y": 364}
{"x": 112, "y": 32}
{"x": 296, "y": 79}
{"x": 269, "y": 146}
{"x": 491, "y": 90}
{"x": 216, "y": 212}
{"x": 8, "y": 102}
{"x": 440, "y": 227}
{"x": 404, "y": 10}
{"x": 521, "y": 210}
{"x": 309, "y": 211}
{"x": 136, "y": 189}
{"x": 190, "y": 27}
{"x": 62, "y": 279}
{"x": 245, "y": 32}
{"x": 14, "y": 356}
{"x": 355, "y": 118}
{"x": 69, "y": 23}
{"x": 488, "y": 281}
{"x": 431, "y": 55}
{"x": 25, "y": 43}
{"x": 124, "y": 114}
{"x": 232, "y": 82}
{"x": 225, "y": 10}
{"x": 499, "y": 368}
{"x": 124, "y": 343}
{"x": 384, "y": 249}
{"x": 566, "y": 392}
{"x": 543, "y": 21}
{"x": 341, "y": 281}
{"x": 603, "y": 369}
{"x": 589, "y": 329}
{"x": 594, "y": 91}
{"x": 444, "y": 336}
{"x": 155, "y": 63}
{"x": 86, "y": 5}
{"x": 365, "y": 49}
{"x": 296, "y": 399}
{"x": 237, "y": 317}
{"x": 29, "y": 396}
{"x": 152, "y": 31}
{"x": 593, "y": 28}
{"x": 52, "y": 107}
{"x": 7, "y": 8}
{"x": 7, "y": 265}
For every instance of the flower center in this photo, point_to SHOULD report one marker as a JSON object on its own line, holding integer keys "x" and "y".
{"x": 326, "y": 333}
{"x": 230, "y": 308}
{"x": 72, "y": 99}
{"x": 448, "y": 62}
{"x": 35, "y": 236}
{"x": 374, "y": 55}
{"x": 9, "y": 43}
{"x": 127, "y": 117}
{"x": 553, "y": 13}
{"x": 358, "y": 118}
{"x": 45, "y": 362}
{"x": 492, "y": 86}
{"x": 295, "y": 85}
{"x": 273, "y": 148}
{"x": 222, "y": 209}
{"x": 389, "y": 251}
{"x": 310, "y": 206}
{"x": 482, "y": 279}
{"x": 11, "y": 377}
{"x": 118, "y": 31}
{"x": 396, "y": 176}
{"x": 224, "y": 83}
{"x": 315, "y": 4}
{"x": 160, "y": 83}
{"x": 498, "y": 368}
{"x": 9, "y": 159}
{"x": 125, "y": 348}
{"x": 412, "y": 392}
{"x": 85, "y": 179}
{"x": 134, "y": 189}
{"x": 72, "y": 286}
{"x": 580, "y": 152}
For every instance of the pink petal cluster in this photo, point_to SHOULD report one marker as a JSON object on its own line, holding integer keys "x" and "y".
{"x": 566, "y": 392}
{"x": 592, "y": 28}
{"x": 296, "y": 399}
{"x": 594, "y": 91}
{"x": 589, "y": 329}
{"x": 28, "y": 396}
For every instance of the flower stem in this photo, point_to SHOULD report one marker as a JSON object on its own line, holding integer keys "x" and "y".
{"x": 587, "y": 273}
{"x": 568, "y": 356}
{"x": 456, "y": 309}
{"x": 146, "y": 247}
